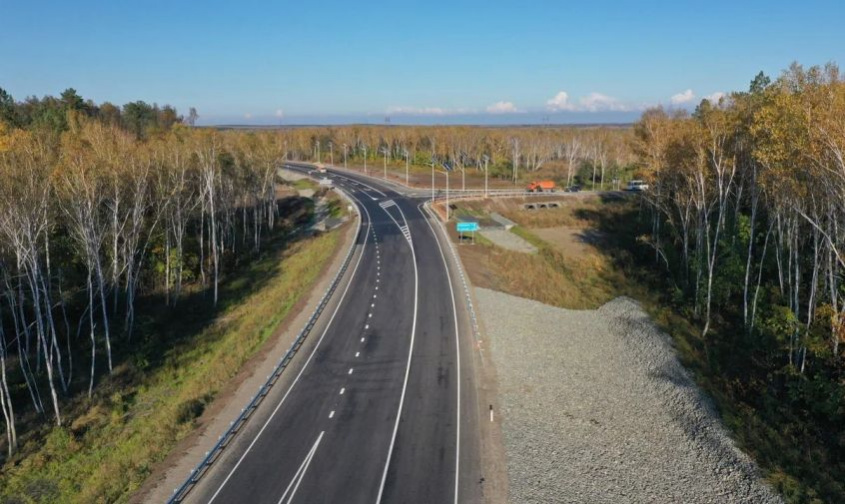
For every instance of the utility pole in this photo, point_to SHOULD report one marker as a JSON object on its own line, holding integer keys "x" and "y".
{"x": 365, "y": 160}
{"x": 344, "y": 156}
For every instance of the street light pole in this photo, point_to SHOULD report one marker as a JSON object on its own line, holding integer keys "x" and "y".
{"x": 331, "y": 154}
{"x": 384, "y": 151}
{"x": 432, "y": 182}
{"x": 447, "y": 196}
{"x": 365, "y": 160}
{"x": 486, "y": 160}
{"x": 344, "y": 156}
{"x": 407, "y": 165}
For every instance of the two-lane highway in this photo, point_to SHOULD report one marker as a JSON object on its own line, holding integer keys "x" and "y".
{"x": 375, "y": 408}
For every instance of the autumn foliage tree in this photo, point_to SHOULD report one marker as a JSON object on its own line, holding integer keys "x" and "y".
{"x": 94, "y": 214}
{"x": 746, "y": 208}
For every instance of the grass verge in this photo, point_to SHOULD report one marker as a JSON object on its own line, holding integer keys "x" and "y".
{"x": 551, "y": 276}
{"x": 153, "y": 399}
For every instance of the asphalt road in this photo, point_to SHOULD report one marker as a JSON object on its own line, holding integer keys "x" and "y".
{"x": 380, "y": 405}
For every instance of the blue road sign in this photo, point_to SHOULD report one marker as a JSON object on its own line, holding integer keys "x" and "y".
{"x": 465, "y": 227}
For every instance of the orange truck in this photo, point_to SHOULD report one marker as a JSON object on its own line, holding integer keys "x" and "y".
{"x": 541, "y": 186}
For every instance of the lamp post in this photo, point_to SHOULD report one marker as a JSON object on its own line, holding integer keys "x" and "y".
{"x": 344, "y": 156}
{"x": 432, "y": 180}
{"x": 331, "y": 154}
{"x": 447, "y": 196}
{"x": 486, "y": 160}
{"x": 384, "y": 151}
{"x": 447, "y": 167}
{"x": 365, "y": 160}
{"x": 407, "y": 165}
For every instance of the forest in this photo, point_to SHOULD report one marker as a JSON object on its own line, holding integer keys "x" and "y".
{"x": 745, "y": 219}
{"x": 99, "y": 205}
{"x": 105, "y": 208}
{"x": 102, "y": 206}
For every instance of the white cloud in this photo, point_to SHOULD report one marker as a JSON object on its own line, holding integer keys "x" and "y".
{"x": 247, "y": 116}
{"x": 280, "y": 113}
{"x": 681, "y": 98}
{"x": 436, "y": 111}
{"x": 593, "y": 102}
{"x": 502, "y": 107}
{"x": 715, "y": 97}
{"x": 560, "y": 102}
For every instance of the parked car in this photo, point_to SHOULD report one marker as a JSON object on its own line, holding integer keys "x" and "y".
{"x": 574, "y": 188}
{"x": 637, "y": 186}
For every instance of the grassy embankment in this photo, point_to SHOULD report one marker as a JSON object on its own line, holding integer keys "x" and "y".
{"x": 110, "y": 443}
{"x": 793, "y": 449}
{"x": 552, "y": 276}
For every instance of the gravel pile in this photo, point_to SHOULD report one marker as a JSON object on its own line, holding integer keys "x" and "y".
{"x": 597, "y": 408}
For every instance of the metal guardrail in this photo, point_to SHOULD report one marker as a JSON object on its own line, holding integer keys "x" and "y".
{"x": 472, "y": 193}
{"x": 211, "y": 456}
{"x": 423, "y": 192}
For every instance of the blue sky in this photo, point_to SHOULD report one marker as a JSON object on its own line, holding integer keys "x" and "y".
{"x": 418, "y": 62}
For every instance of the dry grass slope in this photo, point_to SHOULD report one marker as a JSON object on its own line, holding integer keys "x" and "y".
{"x": 107, "y": 452}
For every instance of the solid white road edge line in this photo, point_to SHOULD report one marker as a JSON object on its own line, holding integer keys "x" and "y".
{"x": 457, "y": 352}
{"x": 313, "y": 352}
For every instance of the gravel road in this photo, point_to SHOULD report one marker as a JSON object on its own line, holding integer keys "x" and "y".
{"x": 597, "y": 408}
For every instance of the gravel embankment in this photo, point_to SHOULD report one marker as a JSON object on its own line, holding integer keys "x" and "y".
{"x": 597, "y": 408}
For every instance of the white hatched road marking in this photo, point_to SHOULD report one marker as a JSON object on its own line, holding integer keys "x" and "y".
{"x": 300, "y": 473}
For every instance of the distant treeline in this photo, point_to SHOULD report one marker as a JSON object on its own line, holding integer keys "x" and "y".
{"x": 50, "y": 113}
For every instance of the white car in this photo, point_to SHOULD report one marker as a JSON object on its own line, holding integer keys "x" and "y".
{"x": 637, "y": 185}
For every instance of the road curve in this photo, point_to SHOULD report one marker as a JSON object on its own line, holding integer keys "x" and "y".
{"x": 376, "y": 406}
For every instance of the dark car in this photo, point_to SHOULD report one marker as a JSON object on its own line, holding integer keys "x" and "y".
{"x": 573, "y": 188}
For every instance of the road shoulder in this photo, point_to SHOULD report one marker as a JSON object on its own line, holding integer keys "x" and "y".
{"x": 172, "y": 471}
